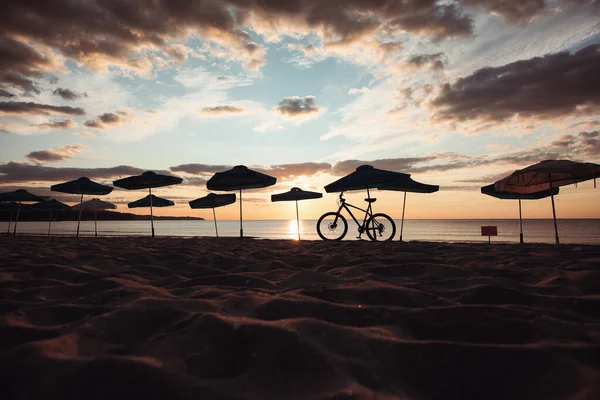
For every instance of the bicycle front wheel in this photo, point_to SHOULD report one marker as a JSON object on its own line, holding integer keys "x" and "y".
{"x": 332, "y": 226}
{"x": 381, "y": 227}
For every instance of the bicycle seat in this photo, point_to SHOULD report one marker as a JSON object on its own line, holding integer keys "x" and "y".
{"x": 371, "y": 200}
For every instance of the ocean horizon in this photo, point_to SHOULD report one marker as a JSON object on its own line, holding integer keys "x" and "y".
{"x": 574, "y": 231}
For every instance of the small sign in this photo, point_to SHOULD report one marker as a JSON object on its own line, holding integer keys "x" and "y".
{"x": 489, "y": 231}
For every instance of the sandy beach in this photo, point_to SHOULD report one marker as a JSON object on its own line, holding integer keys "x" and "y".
{"x": 206, "y": 318}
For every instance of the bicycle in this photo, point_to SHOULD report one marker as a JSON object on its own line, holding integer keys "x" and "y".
{"x": 333, "y": 225}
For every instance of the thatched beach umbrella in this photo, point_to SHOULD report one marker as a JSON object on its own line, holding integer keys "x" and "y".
{"x": 490, "y": 190}
{"x": 19, "y": 196}
{"x": 547, "y": 175}
{"x": 81, "y": 186}
{"x": 239, "y": 178}
{"x": 408, "y": 185}
{"x": 95, "y": 205}
{"x": 50, "y": 205}
{"x": 296, "y": 194}
{"x": 151, "y": 201}
{"x": 213, "y": 201}
{"x": 148, "y": 180}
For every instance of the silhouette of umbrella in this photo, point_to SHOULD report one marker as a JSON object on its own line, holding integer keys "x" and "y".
{"x": 239, "y": 178}
{"x": 81, "y": 186}
{"x": 50, "y": 205}
{"x": 148, "y": 180}
{"x": 408, "y": 185}
{"x": 151, "y": 201}
{"x": 95, "y": 205}
{"x": 490, "y": 190}
{"x": 296, "y": 194}
{"x": 213, "y": 201}
{"x": 365, "y": 177}
{"x": 547, "y": 175}
{"x": 18, "y": 196}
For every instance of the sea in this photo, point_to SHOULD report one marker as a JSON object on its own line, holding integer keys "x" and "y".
{"x": 574, "y": 231}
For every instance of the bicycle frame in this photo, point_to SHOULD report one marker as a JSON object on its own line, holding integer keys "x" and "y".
{"x": 368, "y": 213}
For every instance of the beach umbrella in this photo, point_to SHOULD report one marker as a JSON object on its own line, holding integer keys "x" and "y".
{"x": 239, "y": 178}
{"x": 50, "y": 205}
{"x": 81, "y": 186}
{"x": 296, "y": 194}
{"x": 151, "y": 201}
{"x": 365, "y": 177}
{"x": 148, "y": 180}
{"x": 95, "y": 205}
{"x": 213, "y": 201}
{"x": 9, "y": 208}
{"x": 490, "y": 190}
{"x": 408, "y": 185}
{"x": 547, "y": 175}
{"x": 18, "y": 196}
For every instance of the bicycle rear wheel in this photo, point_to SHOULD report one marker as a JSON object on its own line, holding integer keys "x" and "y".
{"x": 381, "y": 227}
{"x": 332, "y": 226}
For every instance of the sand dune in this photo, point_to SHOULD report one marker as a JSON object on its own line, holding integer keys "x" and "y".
{"x": 226, "y": 318}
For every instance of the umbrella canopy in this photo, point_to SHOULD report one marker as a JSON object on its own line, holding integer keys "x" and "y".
{"x": 548, "y": 174}
{"x": 50, "y": 205}
{"x": 213, "y": 201}
{"x": 365, "y": 177}
{"x": 407, "y": 184}
{"x": 296, "y": 194}
{"x": 81, "y": 186}
{"x": 18, "y": 196}
{"x": 150, "y": 201}
{"x": 96, "y": 204}
{"x": 239, "y": 178}
{"x": 490, "y": 190}
{"x": 147, "y": 180}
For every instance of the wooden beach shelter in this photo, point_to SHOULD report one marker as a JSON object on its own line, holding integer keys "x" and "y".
{"x": 296, "y": 194}
{"x": 50, "y": 205}
{"x": 213, "y": 201}
{"x": 82, "y": 186}
{"x": 408, "y": 185}
{"x": 95, "y": 205}
{"x": 239, "y": 178}
{"x": 490, "y": 190}
{"x": 148, "y": 180}
{"x": 547, "y": 175}
{"x": 18, "y": 196}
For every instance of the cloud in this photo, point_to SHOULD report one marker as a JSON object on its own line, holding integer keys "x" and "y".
{"x": 222, "y": 110}
{"x": 555, "y": 85}
{"x": 5, "y": 93}
{"x": 68, "y": 94}
{"x": 280, "y": 171}
{"x": 64, "y": 124}
{"x": 583, "y": 144}
{"x": 14, "y": 172}
{"x": 109, "y": 119}
{"x": 358, "y": 90}
{"x": 54, "y": 155}
{"x": 88, "y": 135}
{"x": 20, "y": 107}
{"x": 432, "y": 61}
{"x": 199, "y": 169}
{"x": 585, "y": 124}
{"x": 294, "y": 106}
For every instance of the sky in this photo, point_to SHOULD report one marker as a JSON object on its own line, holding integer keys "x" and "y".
{"x": 455, "y": 93}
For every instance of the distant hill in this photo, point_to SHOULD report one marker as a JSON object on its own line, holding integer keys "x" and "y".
{"x": 71, "y": 215}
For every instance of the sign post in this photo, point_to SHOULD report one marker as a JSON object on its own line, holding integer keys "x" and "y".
{"x": 489, "y": 231}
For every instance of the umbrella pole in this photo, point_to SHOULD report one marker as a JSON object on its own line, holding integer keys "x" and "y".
{"x": 96, "y": 223}
{"x": 520, "y": 221}
{"x": 151, "y": 216}
{"x": 241, "y": 228}
{"x": 79, "y": 219}
{"x": 17, "y": 219}
{"x": 215, "y": 219}
{"x": 554, "y": 215}
{"x": 49, "y": 223}
{"x": 9, "y": 223}
{"x": 297, "y": 220}
{"x": 402, "y": 222}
